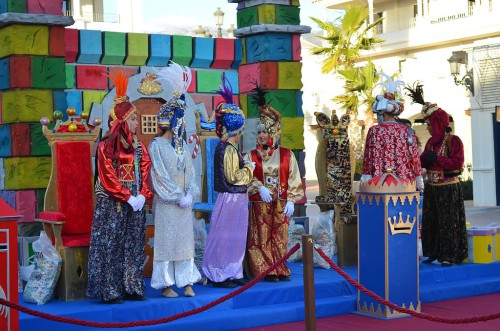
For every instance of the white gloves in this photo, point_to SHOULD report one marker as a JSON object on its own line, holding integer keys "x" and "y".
{"x": 186, "y": 201}
{"x": 134, "y": 203}
{"x": 420, "y": 183}
{"x": 289, "y": 208}
{"x": 265, "y": 194}
{"x": 365, "y": 178}
{"x": 142, "y": 201}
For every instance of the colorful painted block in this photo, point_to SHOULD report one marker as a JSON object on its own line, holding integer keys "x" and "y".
{"x": 192, "y": 85}
{"x": 287, "y": 15}
{"x": 247, "y": 17}
{"x": 160, "y": 50}
{"x": 24, "y": 40}
{"x": 300, "y": 112}
{"x": 264, "y": 74}
{"x": 71, "y": 44}
{"x": 203, "y": 52}
{"x": 4, "y": 74}
{"x": 70, "y": 76}
{"x": 27, "y": 172}
{"x": 243, "y": 51}
{"x": 244, "y": 104}
{"x": 20, "y": 139}
{"x": 90, "y": 46}
{"x": 268, "y": 47}
{"x": 207, "y": 81}
{"x": 238, "y": 53}
{"x": 48, "y": 72}
{"x": 296, "y": 48}
{"x": 39, "y": 144}
{"x": 292, "y": 132}
{"x": 182, "y": 50}
{"x": 89, "y": 97}
{"x": 224, "y": 53}
{"x": 49, "y": 7}
{"x": 289, "y": 75}
{"x": 137, "y": 49}
{"x": 56, "y": 41}
{"x": 5, "y": 141}
{"x": 114, "y": 47}
{"x": 284, "y": 101}
{"x": 26, "y": 205}
{"x": 40, "y": 198}
{"x": 12, "y": 6}
{"x": 267, "y": 14}
{"x": 26, "y": 105}
{"x": 91, "y": 77}
{"x": 20, "y": 72}
{"x": 74, "y": 100}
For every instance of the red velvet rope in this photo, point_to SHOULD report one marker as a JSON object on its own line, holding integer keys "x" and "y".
{"x": 153, "y": 321}
{"x": 404, "y": 310}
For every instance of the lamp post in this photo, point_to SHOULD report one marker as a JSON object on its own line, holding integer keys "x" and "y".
{"x": 230, "y": 31}
{"x": 456, "y": 61}
{"x": 219, "y": 20}
{"x": 199, "y": 31}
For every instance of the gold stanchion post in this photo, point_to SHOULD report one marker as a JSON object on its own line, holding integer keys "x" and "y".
{"x": 309, "y": 298}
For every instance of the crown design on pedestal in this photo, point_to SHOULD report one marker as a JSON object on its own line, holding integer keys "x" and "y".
{"x": 387, "y": 182}
{"x": 75, "y": 128}
{"x": 333, "y": 128}
{"x": 400, "y": 226}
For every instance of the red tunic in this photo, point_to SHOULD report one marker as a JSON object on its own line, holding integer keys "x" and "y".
{"x": 450, "y": 159}
{"x": 387, "y": 147}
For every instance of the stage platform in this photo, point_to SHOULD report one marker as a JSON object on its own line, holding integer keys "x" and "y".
{"x": 265, "y": 303}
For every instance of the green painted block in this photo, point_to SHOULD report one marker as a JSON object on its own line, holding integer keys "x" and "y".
{"x": 247, "y": 17}
{"x": 244, "y": 52}
{"x": 207, "y": 81}
{"x": 137, "y": 49}
{"x": 292, "y": 133}
{"x": 114, "y": 47}
{"x": 70, "y": 76}
{"x": 24, "y": 40}
{"x": 286, "y": 15}
{"x": 267, "y": 14}
{"x": 40, "y": 199}
{"x": 284, "y": 101}
{"x": 251, "y": 110}
{"x": 182, "y": 50}
{"x": 26, "y": 105}
{"x": 16, "y": 6}
{"x": 48, "y": 72}
{"x": 39, "y": 144}
{"x": 89, "y": 97}
{"x": 23, "y": 173}
{"x": 289, "y": 75}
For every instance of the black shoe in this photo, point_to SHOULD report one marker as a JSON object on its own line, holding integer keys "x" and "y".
{"x": 225, "y": 284}
{"x": 272, "y": 278}
{"x": 240, "y": 282}
{"x": 284, "y": 278}
{"x": 113, "y": 301}
{"x": 135, "y": 297}
{"x": 429, "y": 260}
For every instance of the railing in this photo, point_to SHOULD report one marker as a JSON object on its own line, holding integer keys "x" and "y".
{"x": 96, "y": 17}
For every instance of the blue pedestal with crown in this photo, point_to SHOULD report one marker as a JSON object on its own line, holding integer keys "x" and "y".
{"x": 388, "y": 262}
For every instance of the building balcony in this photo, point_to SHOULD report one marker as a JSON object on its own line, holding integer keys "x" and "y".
{"x": 94, "y": 17}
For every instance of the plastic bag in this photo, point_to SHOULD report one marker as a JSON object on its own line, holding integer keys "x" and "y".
{"x": 324, "y": 238}
{"x": 295, "y": 232}
{"x": 200, "y": 239}
{"x": 44, "y": 278}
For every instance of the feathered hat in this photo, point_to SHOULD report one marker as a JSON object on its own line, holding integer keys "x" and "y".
{"x": 229, "y": 117}
{"x": 389, "y": 102}
{"x": 270, "y": 118}
{"x": 120, "y": 137}
{"x": 171, "y": 114}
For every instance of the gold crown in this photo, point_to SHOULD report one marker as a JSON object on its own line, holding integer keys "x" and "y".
{"x": 400, "y": 226}
{"x": 75, "y": 128}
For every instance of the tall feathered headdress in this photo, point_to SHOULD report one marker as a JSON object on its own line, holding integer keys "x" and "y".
{"x": 229, "y": 117}
{"x": 416, "y": 93}
{"x": 389, "y": 102}
{"x": 270, "y": 118}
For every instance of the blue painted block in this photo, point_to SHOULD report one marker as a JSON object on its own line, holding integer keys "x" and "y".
{"x": 160, "y": 50}
{"x": 4, "y": 74}
{"x": 269, "y": 47}
{"x": 90, "y": 47}
{"x": 388, "y": 260}
{"x": 3, "y": 6}
{"x": 300, "y": 112}
{"x": 9, "y": 197}
{"x": 74, "y": 100}
{"x": 5, "y": 141}
{"x": 232, "y": 77}
{"x": 238, "y": 53}
{"x": 203, "y": 52}
{"x": 60, "y": 102}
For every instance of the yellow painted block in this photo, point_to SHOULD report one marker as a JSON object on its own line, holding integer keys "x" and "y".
{"x": 295, "y": 3}
{"x": 23, "y": 173}
{"x": 243, "y": 100}
{"x": 289, "y": 76}
{"x": 26, "y": 105}
{"x": 267, "y": 14}
{"x": 89, "y": 97}
{"x": 481, "y": 244}
{"x": 292, "y": 133}
{"x": 24, "y": 40}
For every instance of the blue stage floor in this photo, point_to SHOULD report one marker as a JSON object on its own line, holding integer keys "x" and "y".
{"x": 265, "y": 303}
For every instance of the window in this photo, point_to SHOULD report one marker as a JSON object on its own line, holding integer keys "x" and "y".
{"x": 379, "y": 28}
{"x": 148, "y": 124}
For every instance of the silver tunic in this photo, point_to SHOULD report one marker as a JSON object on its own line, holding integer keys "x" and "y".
{"x": 172, "y": 177}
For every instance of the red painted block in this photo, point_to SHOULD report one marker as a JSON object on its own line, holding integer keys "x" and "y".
{"x": 26, "y": 205}
{"x": 20, "y": 71}
{"x": 192, "y": 86}
{"x": 296, "y": 48}
{"x": 91, "y": 77}
{"x": 269, "y": 75}
{"x": 20, "y": 139}
{"x": 56, "y": 41}
{"x": 218, "y": 99}
{"x": 50, "y": 7}
{"x": 71, "y": 45}
{"x": 264, "y": 74}
{"x": 224, "y": 53}
{"x": 132, "y": 71}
